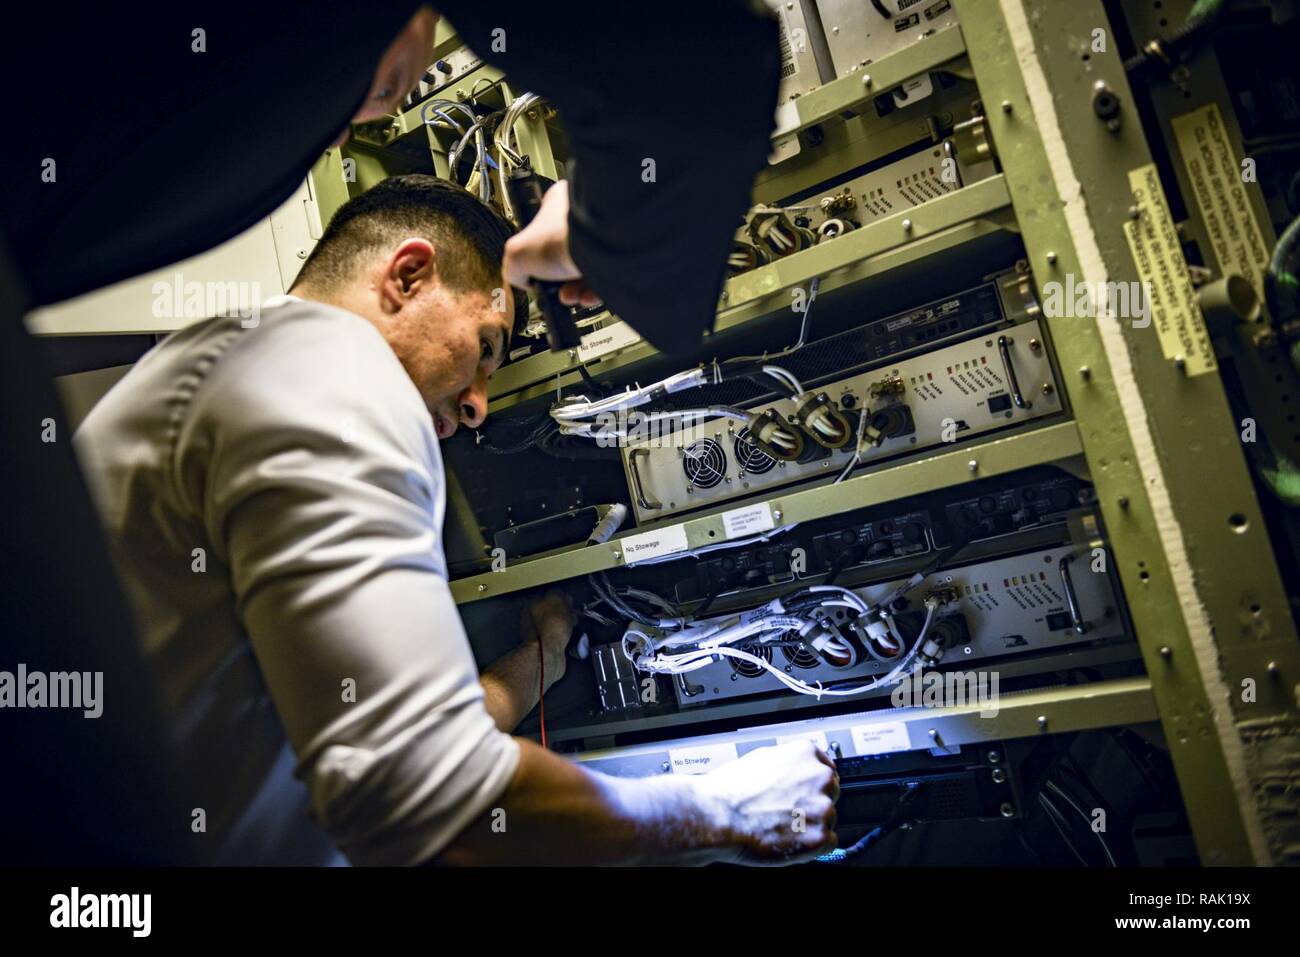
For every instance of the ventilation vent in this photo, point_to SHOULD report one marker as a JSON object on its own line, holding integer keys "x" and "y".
{"x": 704, "y": 463}
{"x": 747, "y": 669}
{"x": 801, "y": 656}
{"x": 751, "y": 458}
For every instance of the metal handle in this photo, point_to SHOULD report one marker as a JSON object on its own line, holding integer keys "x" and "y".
{"x": 1076, "y": 616}
{"x": 1004, "y": 350}
{"x": 637, "y": 488}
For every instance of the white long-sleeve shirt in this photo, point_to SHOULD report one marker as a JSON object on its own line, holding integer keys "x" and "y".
{"x": 274, "y": 497}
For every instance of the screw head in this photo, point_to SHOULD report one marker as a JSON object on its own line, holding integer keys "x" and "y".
{"x": 907, "y": 225}
{"x": 973, "y": 465}
{"x": 1007, "y": 809}
{"x": 999, "y": 776}
{"x": 1051, "y": 258}
{"x": 1042, "y": 722}
{"x": 866, "y": 77}
{"x": 482, "y": 587}
{"x": 1006, "y": 106}
{"x": 1166, "y": 652}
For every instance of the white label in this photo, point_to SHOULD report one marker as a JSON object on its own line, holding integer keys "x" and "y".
{"x": 1215, "y": 175}
{"x": 917, "y": 88}
{"x": 816, "y": 737}
{"x": 606, "y": 340}
{"x": 748, "y": 520}
{"x": 880, "y": 738}
{"x": 702, "y": 758}
{"x": 663, "y": 541}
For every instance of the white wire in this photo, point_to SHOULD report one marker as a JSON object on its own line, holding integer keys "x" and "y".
{"x": 1087, "y": 820}
{"x": 857, "y": 450}
{"x": 785, "y": 376}
{"x": 702, "y": 414}
{"x": 675, "y": 664}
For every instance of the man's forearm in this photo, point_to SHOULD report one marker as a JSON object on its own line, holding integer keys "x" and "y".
{"x": 557, "y": 812}
{"x": 510, "y": 685}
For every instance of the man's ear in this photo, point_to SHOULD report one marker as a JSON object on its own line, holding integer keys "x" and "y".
{"x": 410, "y": 268}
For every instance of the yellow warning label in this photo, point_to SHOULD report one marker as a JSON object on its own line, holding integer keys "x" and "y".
{"x": 1215, "y": 174}
{"x": 1159, "y": 257}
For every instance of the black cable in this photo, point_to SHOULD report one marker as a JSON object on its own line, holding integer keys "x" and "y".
{"x": 846, "y": 558}
{"x": 1118, "y": 735}
{"x": 893, "y": 822}
{"x": 538, "y": 427}
{"x": 709, "y": 599}
{"x": 591, "y": 383}
{"x": 1168, "y": 51}
{"x": 572, "y": 447}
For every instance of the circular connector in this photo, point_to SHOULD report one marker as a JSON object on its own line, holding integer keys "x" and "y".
{"x": 775, "y": 435}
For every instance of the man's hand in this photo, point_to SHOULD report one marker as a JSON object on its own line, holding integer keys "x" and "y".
{"x": 541, "y": 251}
{"x": 780, "y": 801}
{"x": 550, "y": 620}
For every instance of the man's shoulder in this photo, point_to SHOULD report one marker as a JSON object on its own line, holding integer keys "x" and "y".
{"x": 302, "y": 355}
{"x": 310, "y": 368}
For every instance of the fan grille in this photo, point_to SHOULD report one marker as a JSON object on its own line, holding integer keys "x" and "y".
{"x": 800, "y": 656}
{"x": 704, "y": 463}
{"x": 747, "y": 669}
{"x": 751, "y": 458}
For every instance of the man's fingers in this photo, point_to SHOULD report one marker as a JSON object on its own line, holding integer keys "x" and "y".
{"x": 825, "y": 758}
{"x": 578, "y": 293}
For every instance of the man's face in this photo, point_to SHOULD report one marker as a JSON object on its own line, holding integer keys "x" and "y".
{"x": 448, "y": 341}
{"x": 467, "y": 337}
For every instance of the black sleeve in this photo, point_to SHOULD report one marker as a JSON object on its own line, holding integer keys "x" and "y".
{"x": 161, "y": 150}
{"x": 668, "y": 113}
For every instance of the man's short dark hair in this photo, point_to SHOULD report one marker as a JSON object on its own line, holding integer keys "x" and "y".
{"x": 469, "y": 235}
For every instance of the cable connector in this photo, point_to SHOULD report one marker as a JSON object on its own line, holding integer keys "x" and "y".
{"x": 823, "y": 422}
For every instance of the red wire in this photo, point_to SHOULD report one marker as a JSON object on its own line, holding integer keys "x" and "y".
{"x": 541, "y": 687}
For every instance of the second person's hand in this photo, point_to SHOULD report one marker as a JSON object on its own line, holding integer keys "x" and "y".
{"x": 541, "y": 251}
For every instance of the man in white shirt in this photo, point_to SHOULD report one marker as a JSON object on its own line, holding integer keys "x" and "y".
{"x": 274, "y": 493}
